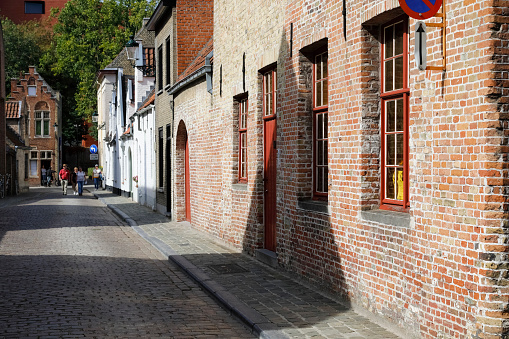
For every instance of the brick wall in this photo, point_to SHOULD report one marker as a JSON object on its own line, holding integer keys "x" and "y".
{"x": 436, "y": 271}
{"x": 194, "y": 29}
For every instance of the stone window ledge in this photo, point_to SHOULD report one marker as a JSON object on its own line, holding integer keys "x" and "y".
{"x": 391, "y": 218}
{"x": 314, "y": 206}
{"x": 239, "y": 187}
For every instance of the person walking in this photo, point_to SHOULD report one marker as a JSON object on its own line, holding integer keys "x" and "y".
{"x": 43, "y": 176}
{"x": 97, "y": 177}
{"x": 74, "y": 181}
{"x": 49, "y": 176}
{"x": 80, "y": 178}
{"x": 64, "y": 175}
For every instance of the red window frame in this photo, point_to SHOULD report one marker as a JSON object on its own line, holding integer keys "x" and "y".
{"x": 395, "y": 93}
{"x": 320, "y": 125}
{"x": 243, "y": 115}
{"x": 269, "y": 93}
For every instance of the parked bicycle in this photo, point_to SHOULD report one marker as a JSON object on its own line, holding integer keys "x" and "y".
{"x": 7, "y": 183}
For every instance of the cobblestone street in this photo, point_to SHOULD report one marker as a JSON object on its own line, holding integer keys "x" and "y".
{"x": 70, "y": 268}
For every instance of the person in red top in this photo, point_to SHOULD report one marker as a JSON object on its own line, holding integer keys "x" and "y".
{"x": 65, "y": 176}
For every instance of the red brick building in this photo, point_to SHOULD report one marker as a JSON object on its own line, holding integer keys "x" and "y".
{"x": 44, "y": 117}
{"x": 328, "y": 153}
{"x": 19, "y": 11}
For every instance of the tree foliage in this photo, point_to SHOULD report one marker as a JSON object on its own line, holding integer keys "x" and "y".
{"x": 25, "y": 44}
{"x": 88, "y": 36}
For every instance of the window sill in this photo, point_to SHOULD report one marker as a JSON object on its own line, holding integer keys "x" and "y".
{"x": 160, "y": 190}
{"x": 391, "y": 218}
{"x": 167, "y": 87}
{"x": 314, "y": 206}
{"x": 160, "y": 91}
{"x": 239, "y": 187}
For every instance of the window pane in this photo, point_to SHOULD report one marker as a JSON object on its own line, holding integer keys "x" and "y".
{"x": 319, "y": 151}
{"x": 391, "y": 150}
{"x": 399, "y": 184}
{"x": 390, "y": 108}
{"x": 33, "y": 167}
{"x": 399, "y": 144}
{"x": 398, "y": 43}
{"x": 243, "y": 161}
{"x": 319, "y": 126}
{"x": 325, "y": 72}
{"x": 325, "y": 125}
{"x": 268, "y": 104}
{"x": 32, "y": 90}
{"x": 325, "y": 93}
{"x": 399, "y": 112}
{"x": 34, "y": 7}
{"x": 46, "y": 127}
{"x": 319, "y": 180}
{"x": 325, "y": 179}
{"x": 389, "y": 69}
{"x": 388, "y": 36}
{"x": 325, "y": 152}
{"x": 318, "y": 91}
{"x": 46, "y": 115}
{"x": 38, "y": 127}
{"x": 38, "y": 115}
{"x": 398, "y": 74}
{"x": 318, "y": 67}
{"x": 390, "y": 184}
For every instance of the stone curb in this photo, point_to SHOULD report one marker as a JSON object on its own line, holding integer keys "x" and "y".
{"x": 253, "y": 319}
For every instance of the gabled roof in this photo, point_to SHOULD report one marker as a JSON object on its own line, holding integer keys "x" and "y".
{"x": 199, "y": 61}
{"x": 13, "y": 109}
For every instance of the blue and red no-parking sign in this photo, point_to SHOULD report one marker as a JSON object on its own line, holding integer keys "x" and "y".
{"x": 420, "y": 9}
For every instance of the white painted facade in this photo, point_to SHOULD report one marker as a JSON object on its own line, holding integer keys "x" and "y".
{"x": 126, "y": 139}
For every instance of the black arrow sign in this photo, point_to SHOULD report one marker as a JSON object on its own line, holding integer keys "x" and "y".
{"x": 421, "y": 32}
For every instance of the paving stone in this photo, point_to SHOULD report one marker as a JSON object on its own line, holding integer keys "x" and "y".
{"x": 72, "y": 269}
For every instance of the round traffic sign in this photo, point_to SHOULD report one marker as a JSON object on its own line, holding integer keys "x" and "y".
{"x": 93, "y": 149}
{"x": 420, "y": 9}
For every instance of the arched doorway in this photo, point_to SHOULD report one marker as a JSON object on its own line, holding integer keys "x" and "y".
{"x": 183, "y": 175}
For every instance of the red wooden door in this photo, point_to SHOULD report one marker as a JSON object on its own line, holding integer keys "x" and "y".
{"x": 270, "y": 183}
{"x": 187, "y": 183}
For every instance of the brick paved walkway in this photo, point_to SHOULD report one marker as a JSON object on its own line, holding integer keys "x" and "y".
{"x": 272, "y": 303}
{"x": 70, "y": 268}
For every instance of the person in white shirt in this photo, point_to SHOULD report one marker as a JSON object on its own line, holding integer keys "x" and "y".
{"x": 97, "y": 177}
{"x": 80, "y": 178}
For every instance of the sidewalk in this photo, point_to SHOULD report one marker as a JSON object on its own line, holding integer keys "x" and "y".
{"x": 271, "y": 303}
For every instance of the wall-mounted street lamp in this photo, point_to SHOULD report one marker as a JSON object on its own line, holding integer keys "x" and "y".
{"x": 134, "y": 51}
